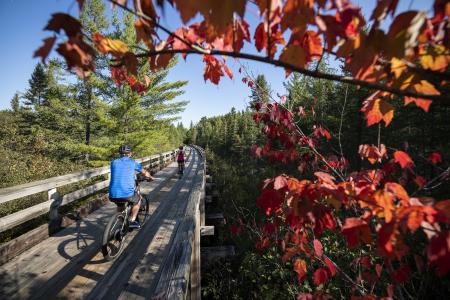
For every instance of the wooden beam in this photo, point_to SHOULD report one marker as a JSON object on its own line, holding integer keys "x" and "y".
{"x": 206, "y": 230}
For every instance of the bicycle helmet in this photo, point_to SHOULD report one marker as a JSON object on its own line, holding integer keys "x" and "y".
{"x": 125, "y": 149}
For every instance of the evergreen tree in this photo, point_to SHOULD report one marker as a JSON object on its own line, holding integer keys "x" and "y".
{"x": 15, "y": 102}
{"x": 260, "y": 91}
{"x": 38, "y": 85}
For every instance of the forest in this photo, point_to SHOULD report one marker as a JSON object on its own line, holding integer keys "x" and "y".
{"x": 62, "y": 123}
{"x": 336, "y": 187}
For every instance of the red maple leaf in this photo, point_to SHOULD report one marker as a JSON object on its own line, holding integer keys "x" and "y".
{"x": 403, "y": 159}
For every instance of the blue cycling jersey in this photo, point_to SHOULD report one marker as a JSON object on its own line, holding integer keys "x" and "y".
{"x": 122, "y": 177}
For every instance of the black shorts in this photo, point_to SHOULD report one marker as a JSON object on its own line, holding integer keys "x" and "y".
{"x": 180, "y": 161}
{"x": 121, "y": 202}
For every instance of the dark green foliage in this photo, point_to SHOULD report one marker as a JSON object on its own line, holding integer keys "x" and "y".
{"x": 35, "y": 95}
{"x": 15, "y": 102}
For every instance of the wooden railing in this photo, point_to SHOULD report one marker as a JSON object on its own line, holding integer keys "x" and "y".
{"x": 55, "y": 201}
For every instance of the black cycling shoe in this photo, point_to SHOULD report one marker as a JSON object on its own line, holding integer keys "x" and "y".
{"x": 134, "y": 224}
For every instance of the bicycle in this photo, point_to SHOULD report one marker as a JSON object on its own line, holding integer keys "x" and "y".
{"x": 117, "y": 228}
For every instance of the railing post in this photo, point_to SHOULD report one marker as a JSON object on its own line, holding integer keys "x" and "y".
{"x": 54, "y": 219}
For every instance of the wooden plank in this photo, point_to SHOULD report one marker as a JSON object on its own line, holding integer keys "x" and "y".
{"x": 175, "y": 275}
{"x": 206, "y": 230}
{"x": 195, "y": 288}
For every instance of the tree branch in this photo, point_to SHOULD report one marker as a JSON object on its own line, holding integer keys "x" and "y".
{"x": 441, "y": 99}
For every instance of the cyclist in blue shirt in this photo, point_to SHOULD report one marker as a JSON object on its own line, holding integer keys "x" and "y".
{"x": 121, "y": 186}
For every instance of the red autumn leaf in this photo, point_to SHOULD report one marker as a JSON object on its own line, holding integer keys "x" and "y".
{"x": 439, "y": 253}
{"x": 356, "y": 231}
{"x": 270, "y": 200}
{"x": 403, "y": 159}
{"x": 321, "y": 132}
{"x": 300, "y": 269}
{"x": 241, "y": 34}
{"x": 401, "y": 275}
{"x": 318, "y": 249}
{"x": 79, "y": 56}
{"x": 213, "y": 70}
{"x": 351, "y": 20}
{"x": 420, "y": 181}
{"x": 378, "y": 270}
{"x": 227, "y": 70}
{"x": 320, "y": 276}
{"x": 69, "y": 24}
{"x": 435, "y": 158}
{"x": 323, "y": 218}
{"x": 444, "y": 207}
{"x": 331, "y": 266}
{"x": 386, "y": 235}
{"x": 260, "y": 37}
{"x": 45, "y": 49}
{"x": 236, "y": 229}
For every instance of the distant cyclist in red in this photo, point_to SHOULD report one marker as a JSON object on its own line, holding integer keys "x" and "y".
{"x": 180, "y": 160}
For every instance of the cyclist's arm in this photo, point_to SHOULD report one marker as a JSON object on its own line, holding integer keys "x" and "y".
{"x": 147, "y": 174}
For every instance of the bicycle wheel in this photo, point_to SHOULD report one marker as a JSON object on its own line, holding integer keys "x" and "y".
{"x": 143, "y": 210}
{"x": 113, "y": 237}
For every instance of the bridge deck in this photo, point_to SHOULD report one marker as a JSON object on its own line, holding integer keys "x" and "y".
{"x": 69, "y": 265}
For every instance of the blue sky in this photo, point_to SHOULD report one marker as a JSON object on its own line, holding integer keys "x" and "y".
{"x": 22, "y": 23}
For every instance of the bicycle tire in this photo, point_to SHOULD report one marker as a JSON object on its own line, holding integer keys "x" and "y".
{"x": 113, "y": 230}
{"x": 143, "y": 210}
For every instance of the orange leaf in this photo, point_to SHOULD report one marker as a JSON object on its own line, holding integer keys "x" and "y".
{"x": 300, "y": 269}
{"x": 377, "y": 109}
{"x": 45, "y": 49}
{"x": 106, "y": 45}
{"x": 386, "y": 204}
{"x": 144, "y": 32}
{"x": 294, "y": 55}
{"x": 403, "y": 159}
{"x": 422, "y": 103}
{"x": 424, "y": 87}
{"x": 398, "y": 191}
{"x": 435, "y": 58}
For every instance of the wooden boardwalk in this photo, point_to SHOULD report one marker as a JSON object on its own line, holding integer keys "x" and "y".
{"x": 69, "y": 265}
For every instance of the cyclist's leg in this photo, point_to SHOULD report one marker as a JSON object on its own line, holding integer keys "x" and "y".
{"x": 136, "y": 201}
